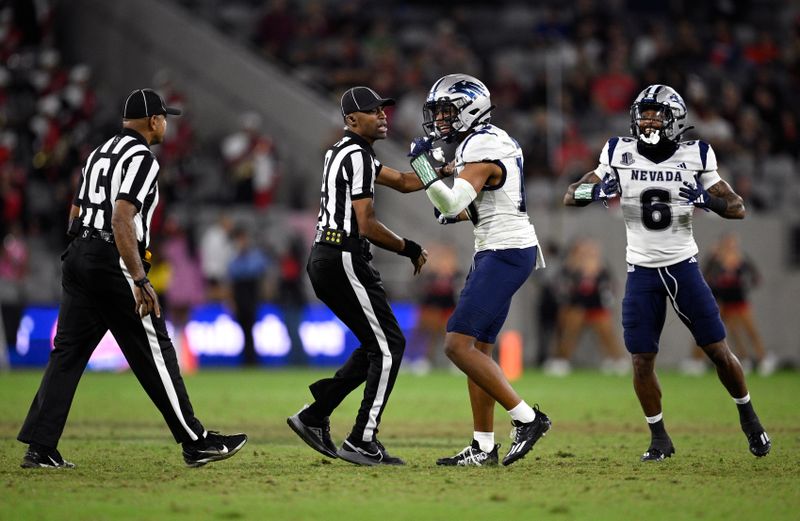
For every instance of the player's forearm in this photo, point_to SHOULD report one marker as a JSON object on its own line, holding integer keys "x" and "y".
{"x": 589, "y": 178}
{"x": 735, "y": 208}
{"x": 569, "y": 197}
{"x": 412, "y": 183}
{"x": 127, "y": 245}
{"x": 583, "y": 188}
{"x": 451, "y": 201}
{"x": 734, "y": 204}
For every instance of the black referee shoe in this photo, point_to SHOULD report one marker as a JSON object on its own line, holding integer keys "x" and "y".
{"x": 317, "y": 437}
{"x": 367, "y": 453}
{"x": 214, "y": 447}
{"x": 42, "y": 457}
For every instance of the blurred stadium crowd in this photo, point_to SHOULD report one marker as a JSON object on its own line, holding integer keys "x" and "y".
{"x": 562, "y": 76}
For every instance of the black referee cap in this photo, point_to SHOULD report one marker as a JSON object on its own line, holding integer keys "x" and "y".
{"x": 362, "y": 99}
{"x": 143, "y": 103}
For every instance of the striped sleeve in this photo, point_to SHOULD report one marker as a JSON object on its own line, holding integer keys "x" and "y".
{"x": 139, "y": 175}
{"x": 607, "y": 154}
{"x": 78, "y": 199}
{"x": 709, "y": 175}
{"x": 362, "y": 174}
{"x": 707, "y": 156}
{"x": 80, "y": 193}
{"x": 606, "y": 157}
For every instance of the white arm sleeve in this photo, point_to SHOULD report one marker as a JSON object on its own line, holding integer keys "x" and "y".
{"x": 451, "y": 201}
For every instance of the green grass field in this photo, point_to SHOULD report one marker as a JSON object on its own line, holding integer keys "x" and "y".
{"x": 587, "y": 467}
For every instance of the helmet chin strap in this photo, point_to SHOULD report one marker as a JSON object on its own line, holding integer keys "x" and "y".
{"x": 683, "y": 130}
{"x": 476, "y": 121}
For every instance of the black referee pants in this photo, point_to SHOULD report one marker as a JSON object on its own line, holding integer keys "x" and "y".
{"x": 97, "y": 296}
{"x": 348, "y": 284}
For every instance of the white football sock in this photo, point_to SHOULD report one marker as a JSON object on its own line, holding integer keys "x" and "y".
{"x": 522, "y": 413}
{"x": 485, "y": 440}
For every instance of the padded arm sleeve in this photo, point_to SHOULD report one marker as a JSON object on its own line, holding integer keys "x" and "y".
{"x": 451, "y": 201}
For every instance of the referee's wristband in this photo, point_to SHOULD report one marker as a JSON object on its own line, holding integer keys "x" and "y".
{"x": 412, "y": 250}
{"x": 141, "y": 283}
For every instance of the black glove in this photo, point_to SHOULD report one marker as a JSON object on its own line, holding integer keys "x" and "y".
{"x": 443, "y": 219}
{"x": 472, "y": 213}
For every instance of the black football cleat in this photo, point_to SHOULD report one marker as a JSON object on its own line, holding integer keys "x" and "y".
{"x": 37, "y": 457}
{"x": 471, "y": 456}
{"x": 316, "y": 437}
{"x": 525, "y": 435}
{"x": 758, "y": 440}
{"x": 659, "y": 451}
{"x": 214, "y": 447}
{"x": 367, "y": 453}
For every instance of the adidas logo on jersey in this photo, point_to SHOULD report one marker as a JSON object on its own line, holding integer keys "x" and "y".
{"x": 682, "y": 165}
{"x": 693, "y": 261}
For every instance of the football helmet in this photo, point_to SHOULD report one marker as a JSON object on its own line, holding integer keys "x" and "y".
{"x": 670, "y": 109}
{"x": 462, "y": 103}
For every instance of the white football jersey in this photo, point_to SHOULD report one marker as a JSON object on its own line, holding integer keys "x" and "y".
{"x": 658, "y": 221}
{"x": 502, "y": 215}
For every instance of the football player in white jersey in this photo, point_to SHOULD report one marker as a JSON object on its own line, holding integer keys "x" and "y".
{"x": 661, "y": 181}
{"x": 489, "y": 190}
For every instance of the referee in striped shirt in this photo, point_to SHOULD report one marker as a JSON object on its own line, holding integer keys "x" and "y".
{"x": 344, "y": 279}
{"x": 105, "y": 287}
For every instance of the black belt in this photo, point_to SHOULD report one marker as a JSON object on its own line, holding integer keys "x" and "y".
{"x": 339, "y": 239}
{"x": 94, "y": 233}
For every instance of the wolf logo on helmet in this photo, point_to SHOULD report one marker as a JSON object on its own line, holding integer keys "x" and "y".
{"x": 470, "y": 88}
{"x": 460, "y": 102}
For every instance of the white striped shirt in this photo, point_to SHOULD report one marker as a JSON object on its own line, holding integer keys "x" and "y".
{"x": 349, "y": 174}
{"x": 121, "y": 168}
